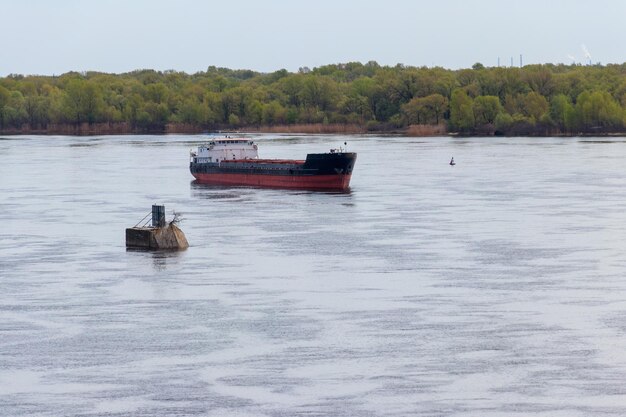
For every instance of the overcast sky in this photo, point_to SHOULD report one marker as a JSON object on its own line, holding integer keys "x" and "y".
{"x": 53, "y": 37}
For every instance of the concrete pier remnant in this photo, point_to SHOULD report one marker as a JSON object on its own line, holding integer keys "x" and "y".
{"x": 160, "y": 235}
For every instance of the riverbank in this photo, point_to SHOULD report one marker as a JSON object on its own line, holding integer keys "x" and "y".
{"x": 124, "y": 128}
{"x": 86, "y": 129}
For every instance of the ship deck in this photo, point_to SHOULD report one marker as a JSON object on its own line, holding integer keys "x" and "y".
{"x": 265, "y": 161}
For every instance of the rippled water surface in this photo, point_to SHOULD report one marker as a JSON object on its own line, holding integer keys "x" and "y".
{"x": 496, "y": 287}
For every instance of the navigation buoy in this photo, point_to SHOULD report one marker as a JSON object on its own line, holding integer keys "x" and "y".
{"x": 452, "y": 163}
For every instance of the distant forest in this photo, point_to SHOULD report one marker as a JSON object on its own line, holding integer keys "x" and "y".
{"x": 533, "y": 100}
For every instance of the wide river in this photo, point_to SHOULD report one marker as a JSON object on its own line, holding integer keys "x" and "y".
{"x": 496, "y": 287}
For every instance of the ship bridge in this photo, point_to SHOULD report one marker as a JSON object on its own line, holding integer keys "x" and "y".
{"x": 225, "y": 149}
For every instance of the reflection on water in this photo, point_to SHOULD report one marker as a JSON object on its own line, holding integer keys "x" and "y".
{"x": 218, "y": 192}
{"x": 492, "y": 288}
{"x": 160, "y": 258}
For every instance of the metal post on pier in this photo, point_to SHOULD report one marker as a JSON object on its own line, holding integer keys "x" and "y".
{"x": 158, "y": 216}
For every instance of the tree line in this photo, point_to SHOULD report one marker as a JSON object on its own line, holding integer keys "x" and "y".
{"x": 533, "y": 100}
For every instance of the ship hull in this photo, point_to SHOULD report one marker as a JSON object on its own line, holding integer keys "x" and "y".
{"x": 331, "y": 171}
{"x": 316, "y": 182}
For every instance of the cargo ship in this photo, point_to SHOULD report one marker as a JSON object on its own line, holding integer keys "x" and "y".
{"x": 235, "y": 161}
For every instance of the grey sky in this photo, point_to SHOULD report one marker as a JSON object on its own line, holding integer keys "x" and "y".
{"x": 53, "y": 37}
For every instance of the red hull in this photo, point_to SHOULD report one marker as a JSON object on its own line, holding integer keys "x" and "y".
{"x": 313, "y": 182}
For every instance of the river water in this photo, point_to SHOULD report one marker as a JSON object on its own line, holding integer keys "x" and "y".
{"x": 496, "y": 287}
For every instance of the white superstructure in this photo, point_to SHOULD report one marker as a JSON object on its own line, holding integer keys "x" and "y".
{"x": 225, "y": 149}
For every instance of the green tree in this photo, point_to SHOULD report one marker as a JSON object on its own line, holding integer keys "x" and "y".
{"x": 534, "y": 105}
{"x": 4, "y": 101}
{"x": 233, "y": 120}
{"x": 539, "y": 79}
{"x": 82, "y": 101}
{"x": 36, "y": 108}
{"x": 274, "y": 113}
{"x": 157, "y": 93}
{"x": 598, "y": 111}
{"x": 191, "y": 111}
{"x": 503, "y": 122}
{"x": 561, "y": 110}
{"x": 426, "y": 110}
{"x": 486, "y": 109}
{"x": 461, "y": 113}
{"x": 319, "y": 92}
